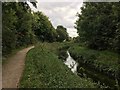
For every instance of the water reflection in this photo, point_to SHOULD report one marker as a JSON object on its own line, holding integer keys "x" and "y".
{"x": 71, "y": 63}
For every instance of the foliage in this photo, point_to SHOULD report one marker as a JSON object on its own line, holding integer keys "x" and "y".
{"x": 62, "y": 33}
{"x": 16, "y": 26}
{"x": 22, "y": 27}
{"x": 9, "y": 30}
{"x": 62, "y": 52}
{"x": 43, "y": 28}
{"x": 43, "y": 69}
{"x": 98, "y": 27}
{"x": 102, "y": 61}
{"x": 24, "y": 32}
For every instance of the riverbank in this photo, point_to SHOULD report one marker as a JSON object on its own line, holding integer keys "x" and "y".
{"x": 44, "y": 69}
{"x": 101, "y": 66}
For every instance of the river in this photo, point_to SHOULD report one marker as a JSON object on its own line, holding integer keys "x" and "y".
{"x": 71, "y": 63}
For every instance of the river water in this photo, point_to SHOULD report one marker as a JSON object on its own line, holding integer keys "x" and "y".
{"x": 71, "y": 63}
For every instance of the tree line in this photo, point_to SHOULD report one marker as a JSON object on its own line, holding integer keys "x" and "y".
{"x": 98, "y": 25}
{"x": 21, "y": 26}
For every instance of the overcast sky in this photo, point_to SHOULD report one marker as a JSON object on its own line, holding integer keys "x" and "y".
{"x": 61, "y": 13}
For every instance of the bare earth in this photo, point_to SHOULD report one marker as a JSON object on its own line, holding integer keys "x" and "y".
{"x": 12, "y": 70}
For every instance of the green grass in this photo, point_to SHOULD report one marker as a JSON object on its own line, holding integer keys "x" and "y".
{"x": 105, "y": 61}
{"x": 43, "y": 69}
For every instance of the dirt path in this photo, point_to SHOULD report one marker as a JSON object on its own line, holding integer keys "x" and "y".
{"x": 12, "y": 70}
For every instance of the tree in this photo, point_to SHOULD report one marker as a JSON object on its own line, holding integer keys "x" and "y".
{"x": 62, "y": 33}
{"x": 98, "y": 27}
{"x": 17, "y": 26}
{"x": 8, "y": 28}
{"x": 43, "y": 28}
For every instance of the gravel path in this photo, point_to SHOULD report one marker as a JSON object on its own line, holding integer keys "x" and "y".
{"x": 12, "y": 70}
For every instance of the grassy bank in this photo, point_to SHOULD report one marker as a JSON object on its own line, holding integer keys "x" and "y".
{"x": 104, "y": 62}
{"x": 43, "y": 69}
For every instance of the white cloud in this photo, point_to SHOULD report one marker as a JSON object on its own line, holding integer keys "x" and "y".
{"x": 72, "y": 32}
{"x": 61, "y": 13}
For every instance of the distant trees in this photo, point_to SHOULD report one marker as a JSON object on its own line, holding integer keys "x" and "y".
{"x": 62, "y": 33}
{"x": 98, "y": 25}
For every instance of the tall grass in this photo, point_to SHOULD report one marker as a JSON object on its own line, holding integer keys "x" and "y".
{"x": 43, "y": 69}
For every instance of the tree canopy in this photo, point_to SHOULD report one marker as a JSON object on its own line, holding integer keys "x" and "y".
{"x": 22, "y": 26}
{"x": 99, "y": 28}
{"x": 62, "y": 33}
{"x": 43, "y": 28}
